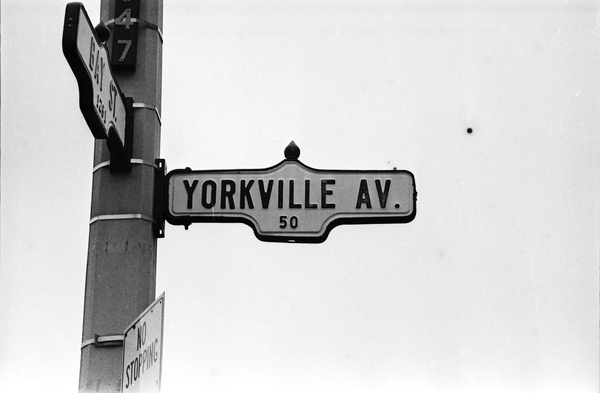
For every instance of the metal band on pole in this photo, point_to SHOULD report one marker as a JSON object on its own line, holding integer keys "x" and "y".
{"x": 109, "y": 217}
{"x": 143, "y": 23}
{"x": 139, "y": 105}
{"x": 134, "y": 161}
{"x": 114, "y": 340}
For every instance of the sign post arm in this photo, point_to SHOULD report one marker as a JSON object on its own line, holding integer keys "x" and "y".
{"x": 122, "y": 160}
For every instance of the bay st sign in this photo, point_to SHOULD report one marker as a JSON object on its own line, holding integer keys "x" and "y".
{"x": 101, "y": 101}
{"x": 290, "y": 201}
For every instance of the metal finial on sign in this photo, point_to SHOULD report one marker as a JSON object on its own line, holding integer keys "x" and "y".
{"x": 102, "y": 31}
{"x": 292, "y": 151}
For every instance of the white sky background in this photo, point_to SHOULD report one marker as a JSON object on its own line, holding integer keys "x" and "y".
{"x": 493, "y": 286}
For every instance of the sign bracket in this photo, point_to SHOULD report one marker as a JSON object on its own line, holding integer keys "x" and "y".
{"x": 159, "y": 197}
{"x": 121, "y": 161}
{"x": 112, "y": 340}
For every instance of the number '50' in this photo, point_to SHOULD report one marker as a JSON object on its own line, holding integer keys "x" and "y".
{"x": 283, "y": 222}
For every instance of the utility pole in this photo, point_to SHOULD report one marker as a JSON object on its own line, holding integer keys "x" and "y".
{"x": 121, "y": 262}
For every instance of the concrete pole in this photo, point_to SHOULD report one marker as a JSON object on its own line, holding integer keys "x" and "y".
{"x": 121, "y": 264}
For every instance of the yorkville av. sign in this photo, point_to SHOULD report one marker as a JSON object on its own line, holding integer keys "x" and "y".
{"x": 290, "y": 202}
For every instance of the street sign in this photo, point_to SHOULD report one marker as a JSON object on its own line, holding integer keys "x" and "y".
{"x": 142, "y": 350}
{"x": 100, "y": 99}
{"x": 290, "y": 202}
{"x": 125, "y": 34}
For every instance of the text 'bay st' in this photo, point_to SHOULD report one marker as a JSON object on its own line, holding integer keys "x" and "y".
{"x": 100, "y": 99}
{"x": 290, "y": 201}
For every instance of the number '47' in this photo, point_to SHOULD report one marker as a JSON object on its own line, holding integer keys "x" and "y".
{"x": 124, "y": 20}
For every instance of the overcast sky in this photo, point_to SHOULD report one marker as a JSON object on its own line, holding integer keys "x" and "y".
{"x": 493, "y": 286}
